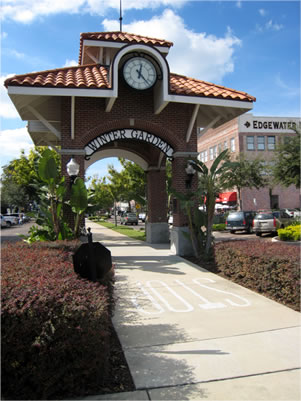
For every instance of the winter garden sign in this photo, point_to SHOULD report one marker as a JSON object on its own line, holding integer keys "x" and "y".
{"x": 95, "y": 144}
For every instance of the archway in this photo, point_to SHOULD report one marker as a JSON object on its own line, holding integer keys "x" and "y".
{"x": 123, "y": 99}
{"x": 149, "y": 151}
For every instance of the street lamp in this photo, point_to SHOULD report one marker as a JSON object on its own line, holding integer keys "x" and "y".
{"x": 190, "y": 171}
{"x": 72, "y": 169}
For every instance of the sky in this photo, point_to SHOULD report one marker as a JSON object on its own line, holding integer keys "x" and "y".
{"x": 252, "y": 46}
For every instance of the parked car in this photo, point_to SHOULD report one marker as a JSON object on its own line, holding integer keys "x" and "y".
{"x": 142, "y": 217}
{"x": 297, "y": 213}
{"x": 11, "y": 219}
{"x": 290, "y": 212}
{"x": 240, "y": 221}
{"x": 270, "y": 222}
{"x": 129, "y": 218}
{"x": 3, "y": 222}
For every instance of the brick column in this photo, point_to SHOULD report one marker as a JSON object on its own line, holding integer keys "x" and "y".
{"x": 157, "y": 230}
{"x": 180, "y": 244}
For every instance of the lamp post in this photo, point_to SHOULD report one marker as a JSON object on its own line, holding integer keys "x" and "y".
{"x": 72, "y": 169}
{"x": 190, "y": 171}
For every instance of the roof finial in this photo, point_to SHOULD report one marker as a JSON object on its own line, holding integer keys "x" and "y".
{"x": 120, "y": 18}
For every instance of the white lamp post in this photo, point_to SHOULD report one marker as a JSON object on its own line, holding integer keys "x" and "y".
{"x": 72, "y": 169}
{"x": 190, "y": 171}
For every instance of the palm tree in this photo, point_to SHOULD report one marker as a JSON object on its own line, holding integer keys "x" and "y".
{"x": 210, "y": 186}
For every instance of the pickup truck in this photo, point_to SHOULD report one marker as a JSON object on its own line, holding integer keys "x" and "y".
{"x": 10, "y": 220}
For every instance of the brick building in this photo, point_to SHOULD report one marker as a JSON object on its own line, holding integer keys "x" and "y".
{"x": 255, "y": 137}
{"x": 123, "y": 101}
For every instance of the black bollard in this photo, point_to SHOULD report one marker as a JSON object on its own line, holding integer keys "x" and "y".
{"x": 92, "y": 256}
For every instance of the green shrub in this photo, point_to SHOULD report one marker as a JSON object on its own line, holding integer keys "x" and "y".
{"x": 290, "y": 233}
{"x": 55, "y": 326}
{"x": 272, "y": 269}
{"x": 219, "y": 227}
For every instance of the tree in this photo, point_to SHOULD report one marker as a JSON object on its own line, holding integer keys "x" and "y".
{"x": 209, "y": 188}
{"x": 210, "y": 185}
{"x": 128, "y": 184}
{"x": 244, "y": 174}
{"x": 102, "y": 197}
{"x": 13, "y": 196}
{"x": 286, "y": 170}
{"x": 21, "y": 177}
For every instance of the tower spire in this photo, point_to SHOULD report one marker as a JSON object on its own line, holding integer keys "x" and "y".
{"x": 120, "y": 17}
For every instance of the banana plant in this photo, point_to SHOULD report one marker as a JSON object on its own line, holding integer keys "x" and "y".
{"x": 78, "y": 203}
{"x": 54, "y": 191}
{"x": 210, "y": 186}
{"x": 50, "y": 219}
{"x": 196, "y": 221}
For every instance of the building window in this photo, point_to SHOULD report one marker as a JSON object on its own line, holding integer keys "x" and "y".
{"x": 260, "y": 143}
{"x": 206, "y": 156}
{"x": 219, "y": 147}
{"x": 225, "y": 145}
{"x": 271, "y": 142}
{"x": 232, "y": 144}
{"x": 211, "y": 153}
{"x": 202, "y": 156}
{"x": 250, "y": 143}
{"x": 214, "y": 152}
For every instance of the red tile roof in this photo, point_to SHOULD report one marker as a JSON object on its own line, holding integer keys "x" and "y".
{"x": 122, "y": 37}
{"x": 181, "y": 85}
{"x": 96, "y": 77}
{"x": 86, "y": 76}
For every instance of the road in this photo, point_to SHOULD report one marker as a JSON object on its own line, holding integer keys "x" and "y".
{"x": 12, "y": 233}
{"x": 219, "y": 235}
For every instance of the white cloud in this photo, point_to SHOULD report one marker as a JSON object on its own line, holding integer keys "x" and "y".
{"x": 26, "y": 11}
{"x": 238, "y": 4}
{"x": 70, "y": 63}
{"x": 262, "y": 12}
{"x": 197, "y": 55}
{"x": 15, "y": 53}
{"x": 12, "y": 141}
{"x": 270, "y": 25}
{"x": 286, "y": 89}
{"x": 7, "y": 109}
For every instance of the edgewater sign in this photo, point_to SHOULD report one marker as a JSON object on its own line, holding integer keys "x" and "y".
{"x": 250, "y": 123}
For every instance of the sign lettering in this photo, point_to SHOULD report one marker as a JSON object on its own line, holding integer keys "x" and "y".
{"x": 95, "y": 144}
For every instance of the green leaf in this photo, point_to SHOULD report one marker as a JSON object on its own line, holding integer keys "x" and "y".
{"x": 216, "y": 162}
{"x": 47, "y": 169}
{"x": 79, "y": 196}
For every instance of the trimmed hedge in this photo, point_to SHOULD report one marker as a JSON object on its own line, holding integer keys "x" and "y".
{"x": 55, "y": 326}
{"x": 290, "y": 233}
{"x": 272, "y": 269}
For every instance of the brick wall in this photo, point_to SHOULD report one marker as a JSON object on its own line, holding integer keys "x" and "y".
{"x": 134, "y": 109}
{"x": 288, "y": 197}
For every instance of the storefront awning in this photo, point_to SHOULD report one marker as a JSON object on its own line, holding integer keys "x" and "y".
{"x": 228, "y": 197}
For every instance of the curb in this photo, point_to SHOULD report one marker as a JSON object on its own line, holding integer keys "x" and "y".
{"x": 276, "y": 239}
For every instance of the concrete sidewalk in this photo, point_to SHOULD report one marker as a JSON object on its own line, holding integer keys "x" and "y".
{"x": 188, "y": 334}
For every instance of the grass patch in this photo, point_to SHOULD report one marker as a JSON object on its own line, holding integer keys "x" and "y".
{"x": 128, "y": 231}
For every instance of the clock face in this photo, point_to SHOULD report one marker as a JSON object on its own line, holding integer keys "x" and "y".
{"x": 139, "y": 73}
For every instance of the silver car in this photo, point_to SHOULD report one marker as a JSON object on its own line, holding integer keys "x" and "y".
{"x": 270, "y": 222}
{"x": 129, "y": 218}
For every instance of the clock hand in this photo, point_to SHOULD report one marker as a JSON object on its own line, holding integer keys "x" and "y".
{"x": 144, "y": 78}
{"x": 139, "y": 71}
